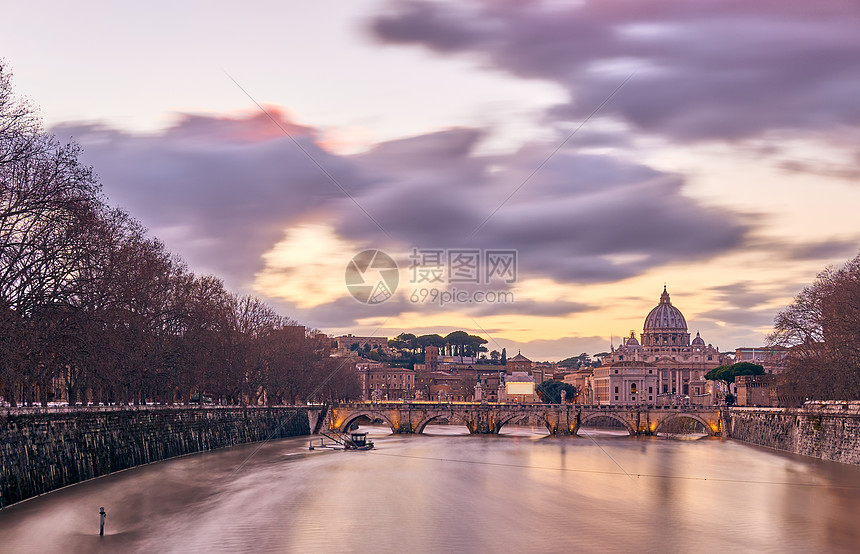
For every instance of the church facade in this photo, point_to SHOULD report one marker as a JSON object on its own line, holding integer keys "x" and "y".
{"x": 664, "y": 367}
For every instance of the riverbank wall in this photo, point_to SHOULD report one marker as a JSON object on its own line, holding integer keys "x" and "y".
{"x": 827, "y": 430}
{"x": 45, "y": 449}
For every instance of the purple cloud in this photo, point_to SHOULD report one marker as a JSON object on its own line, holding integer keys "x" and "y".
{"x": 218, "y": 190}
{"x": 222, "y": 192}
{"x": 719, "y": 69}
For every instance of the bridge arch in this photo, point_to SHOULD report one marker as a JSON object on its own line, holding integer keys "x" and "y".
{"x": 585, "y": 418}
{"x": 686, "y": 415}
{"x": 524, "y": 417}
{"x": 452, "y": 418}
{"x": 344, "y": 427}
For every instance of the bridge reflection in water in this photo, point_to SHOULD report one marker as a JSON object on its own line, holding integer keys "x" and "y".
{"x": 489, "y": 418}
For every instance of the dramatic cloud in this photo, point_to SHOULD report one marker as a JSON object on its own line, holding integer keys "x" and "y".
{"x": 532, "y": 308}
{"x": 717, "y": 69}
{"x": 241, "y": 200}
{"x": 819, "y": 250}
{"x": 222, "y": 191}
{"x": 582, "y": 218}
{"x": 742, "y": 294}
{"x": 218, "y": 190}
{"x": 802, "y": 250}
{"x": 741, "y": 319}
{"x": 726, "y": 165}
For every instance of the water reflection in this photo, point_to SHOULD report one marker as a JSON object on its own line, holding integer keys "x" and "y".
{"x": 436, "y": 492}
{"x": 445, "y": 430}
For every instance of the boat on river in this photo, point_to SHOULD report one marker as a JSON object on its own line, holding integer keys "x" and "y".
{"x": 358, "y": 441}
{"x": 343, "y": 441}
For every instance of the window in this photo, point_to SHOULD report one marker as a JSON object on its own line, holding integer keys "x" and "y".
{"x": 616, "y": 392}
{"x": 710, "y": 358}
{"x": 650, "y": 390}
{"x": 650, "y": 398}
{"x": 632, "y": 388}
{"x": 616, "y": 398}
{"x": 650, "y": 371}
{"x": 616, "y": 372}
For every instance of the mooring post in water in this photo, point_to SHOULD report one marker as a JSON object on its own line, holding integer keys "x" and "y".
{"x": 102, "y": 516}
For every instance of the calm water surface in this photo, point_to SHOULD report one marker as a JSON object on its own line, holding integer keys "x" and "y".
{"x": 520, "y": 492}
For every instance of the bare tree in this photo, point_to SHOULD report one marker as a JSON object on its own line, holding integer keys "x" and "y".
{"x": 90, "y": 303}
{"x": 48, "y": 200}
{"x": 822, "y": 330}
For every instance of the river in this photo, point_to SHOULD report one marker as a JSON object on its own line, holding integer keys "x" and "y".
{"x": 519, "y": 492}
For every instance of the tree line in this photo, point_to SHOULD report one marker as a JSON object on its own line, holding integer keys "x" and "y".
{"x": 456, "y": 343}
{"x": 91, "y": 303}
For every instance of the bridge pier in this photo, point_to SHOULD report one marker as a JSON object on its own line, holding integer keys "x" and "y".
{"x": 483, "y": 421}
{"x": 562, "y": 421}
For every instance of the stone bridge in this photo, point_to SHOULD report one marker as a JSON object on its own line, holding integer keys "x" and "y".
{"x": 489, "y": 418}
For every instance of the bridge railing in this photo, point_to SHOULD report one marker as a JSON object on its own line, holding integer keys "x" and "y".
{"x": 399, "y": 404}
{"x": 24, "y": 410}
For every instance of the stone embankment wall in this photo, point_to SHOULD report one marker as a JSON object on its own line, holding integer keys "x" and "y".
{"x": 45, "y": 449}
{"x": 826, "y": 430}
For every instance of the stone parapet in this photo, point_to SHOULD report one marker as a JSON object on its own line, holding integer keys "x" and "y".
{"x": 43, "y": 449}
{"x": 827, "y": 430}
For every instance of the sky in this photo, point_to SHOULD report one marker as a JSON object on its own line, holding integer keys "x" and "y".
{"x": 616, "y": 146}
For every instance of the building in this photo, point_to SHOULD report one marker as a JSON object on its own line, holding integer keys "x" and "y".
{"x": 519, "y": 363}
{"x": 666, "y": 367}
{"x": 626, "y": 382}
{"x": 769, "y": 357}
{"x": 296, "y": 333}
{"x": 446, "y": 378}
{"x": 380, "y": 382}
{"x": 456, "y": 359}
{"x": 581, "y": 379}
{"x": 756, "y": 390}
{"x": 519, "y": 387}
{"x": 348, "y": 343}
{"x": 490, "y": 386}
{"x": 451, "y": 387}
{"x": 431, "y": 358}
